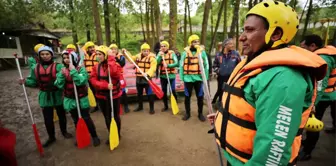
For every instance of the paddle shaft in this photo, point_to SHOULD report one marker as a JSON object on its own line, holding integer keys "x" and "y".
{"x": 143, "y": 74}
{"x": 207, "y": 96}
{"x": 24, "y": 88}
{"x": 75, "y": 88}
{"x": 111, "y": 95}
{"x": 164, "y": 62}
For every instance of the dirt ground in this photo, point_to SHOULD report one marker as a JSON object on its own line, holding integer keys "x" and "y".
{"x": 160, "y": 139}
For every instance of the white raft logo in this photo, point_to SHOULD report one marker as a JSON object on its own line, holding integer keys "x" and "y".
{"x": 281, "y": 131}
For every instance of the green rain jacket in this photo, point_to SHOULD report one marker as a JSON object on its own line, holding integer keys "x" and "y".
{"x": 173, "y": 65}
{"x": 45, "y": 99}
{"x": 193, "y": 77}
{"x": 80, "y": 78}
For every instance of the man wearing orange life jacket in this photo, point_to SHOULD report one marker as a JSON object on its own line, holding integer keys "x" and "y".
{"x": 90, "y": 60}
{"x": 326, "y": 94}
{"x": 269, "y": 95}
{"x": 190, "y": 74}
{"x": 147, "y": 63}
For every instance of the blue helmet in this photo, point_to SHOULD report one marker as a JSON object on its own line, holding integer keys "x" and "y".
{"x": 45, "y": 48}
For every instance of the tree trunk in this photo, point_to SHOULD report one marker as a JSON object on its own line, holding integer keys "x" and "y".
{"x": 334, "y": 38}
{"x": 250, "y": 4}
{"x": 211, "y": 21}
{"x": 310, "y": 7}
{"x": 234, "y": 18}
{"x": 88, "y": 37}
{"x": 117, "y": 18}
{"x": 147, "y": 19}
{"x": 220, "y": 12}
{"x": 107, "y": 22}
{"x": 205, "y": 21}
{"x": 142, "y": 24}
{"x": 173, "y": 23}
{"x": 72, "y": 20}
{"x": 97, "y": 22}
{"x": 255, "y": 2}
{"x": 157, "y": 15}
{"x": 185, "y": 24}
{"x": 225, "y": 20}
{"x": 190, "y": 26}
{"x": 237, "y": 33}
{"x": 152, "y": 24}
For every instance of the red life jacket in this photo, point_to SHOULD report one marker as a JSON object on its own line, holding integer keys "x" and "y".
{"x": 69, "y": 92}
{"x": 102, "y": 75}
{"x": 46, "y": 77}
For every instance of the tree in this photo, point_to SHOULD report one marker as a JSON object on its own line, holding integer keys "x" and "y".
{"x": 188, "y": 5}
{"x": 234, "y": 18}
{"x": 309, "y": 12}
{"x": 97, "y": 22}
{"x": 152, "y": 24}
{"x": 72, "y": 20}
{"x": 116, "y": 6}
{"x": 173, "y": 23}
{"x": 147, "y": 19}
{"x": 250, "y": 3}
{"x": 142, "y": 24}
{"x": 220, "y": 12}
{"x": 185, "y": 24}
{"x": 157, "y": 17}
{"x": 205, "y": 21}
{"x": 107, "y": 22}
{"x": 225, "y": 19}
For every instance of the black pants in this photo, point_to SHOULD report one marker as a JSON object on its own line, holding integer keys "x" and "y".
{"x": 333, "y": 113}
{"x": 48, "y": 115}
{"x": 94, "y": 93}
{"x": 124, "y": 100}
{"x": 188, "y": 87}
{"x": 312, "y": 137}
{"x": 220, "y": 83}
{"x": 140, "y": 88}
{"x": 86, "y": 116}
{"x": 164, "y": 83}
{"x": 105, "y": 106}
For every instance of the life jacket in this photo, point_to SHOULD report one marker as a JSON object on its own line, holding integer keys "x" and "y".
{"x": 235, "y": 127}
{"x": 102, "y": 75}
{"x": 69, "y": 92}
{"x": 144, "y": 63}
{"x": 169, "y": 60}
{"x": 330, "y": 51}
{"x": 191, "y": 63}
{"x": 89, "y": 62}
{"x": 46, "y": 77}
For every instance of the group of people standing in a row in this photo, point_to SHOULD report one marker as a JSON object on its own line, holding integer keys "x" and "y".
{"x": 55, "y": 81}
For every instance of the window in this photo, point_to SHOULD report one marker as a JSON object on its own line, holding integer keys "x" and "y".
{"x": 7, "y": 42}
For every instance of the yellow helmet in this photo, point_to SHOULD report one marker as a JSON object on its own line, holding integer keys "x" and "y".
{"x": 165, "y": 43}
{"x": 37, "y": 47}
{"x": 145, "y": 46}
{"x": 103, "y": 49}
{"x": 313, "y": 124}
{"x": 280, "y": 15}
{"x": 192, "y": 38}
{"x": 71, "y": 46}
{"x": 113, "y": 46}
{"x": 89, "y": 44}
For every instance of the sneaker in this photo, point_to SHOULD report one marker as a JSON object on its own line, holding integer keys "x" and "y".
{"x": 151, "y": 112}
{"x": 49, "y": 142}
{"x": 67, "y": 135}
{"x": 138, "y": 109}
{"x": 96, "y": 141}
{"x": 164, "y": 109}
{"x": 186, "y": 117}
{"x": 201, "y": 117}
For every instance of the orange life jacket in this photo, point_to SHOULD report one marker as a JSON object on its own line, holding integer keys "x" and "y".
{"x": 191, "y": 63}
{"x": 235, "y": 127}
{"x": 46, "y": 77}
{"x": 69, "y": 92}
{"x": 89, "y": 62}
{"x": 144, "y": 63}
{"x": 331, "y": 51}
{"x": 169, "y": 60}
{"x": 102, "y": 75}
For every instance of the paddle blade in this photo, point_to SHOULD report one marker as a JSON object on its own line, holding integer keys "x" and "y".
{"x": 156, "y": 89}
{"x": 55, "y": 115}
{"x": 92, "y": 99}
{"x": 82, "y": 134}
{"x": 174, "y": 105}
{"x": 37, "y": 140}
{"x": 7, "y": 146}
{"x": 114, "y": 136}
